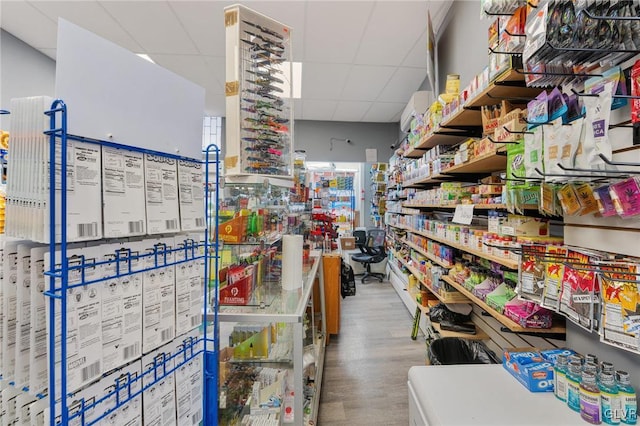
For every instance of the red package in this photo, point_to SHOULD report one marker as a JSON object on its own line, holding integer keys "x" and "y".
{"x": 635, "y": 91}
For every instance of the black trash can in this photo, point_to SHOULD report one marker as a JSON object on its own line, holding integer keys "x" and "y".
{"x": 454, "y": 350}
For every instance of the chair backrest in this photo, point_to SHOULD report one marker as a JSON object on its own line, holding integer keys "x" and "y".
{"x": 361, "y": 237}
{"x": 376, "y": 237}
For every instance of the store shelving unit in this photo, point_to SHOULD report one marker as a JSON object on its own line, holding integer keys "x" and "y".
{"x": 65, "y": 275}
{"x": 426, "y": 254}
{"x": 507, "y": 322}
{"x": 479, "y": 335}
{"x": 286, "y": 312}
{"x": 378, "y": 176}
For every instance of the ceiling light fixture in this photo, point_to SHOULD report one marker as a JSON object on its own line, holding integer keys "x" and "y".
{"x": 145, "y": 57}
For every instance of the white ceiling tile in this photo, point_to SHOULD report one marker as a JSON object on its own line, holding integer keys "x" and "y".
{"x": 153, "y": 25}
{"x": 404, "y": 82}
{"x": 49, "y": 52}
{"x": 323, "y": 81}
{"x": 334, "y": 29}
{"x": 191, "y": 67}
{"x": 417, "y": 57}
{"x": 382, "y": 112}
{"x": 319, "y": 110}
{"x": 365, "y": 82}
{"x": 289, "y": 13}
{"x": 204, "y": 22}
{"x": 392, "y": 31}
{"x": 91, "y": 16}
{"x": 351, "y": 111}
{"x": 216, "y": 66}
{"x": 28, "y": 24}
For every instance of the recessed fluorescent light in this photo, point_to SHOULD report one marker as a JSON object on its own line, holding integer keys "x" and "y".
{"x": 146, "y": 57}
{"x": 292, "y": 72}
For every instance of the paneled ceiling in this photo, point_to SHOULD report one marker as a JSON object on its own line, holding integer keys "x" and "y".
{"x": 362, "y": 60}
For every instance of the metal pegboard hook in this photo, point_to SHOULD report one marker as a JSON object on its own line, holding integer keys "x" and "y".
{"x": 595, "y": 95}
{"x": 615, "y": 172}
{"x": 499, "y": 52}
{"x": 610, "y": 18}
{"x": 617, "y": 163}
{"x": 555, "y": 74}
{"x": 507, "y": 142}
{"x": 513, "y": 132}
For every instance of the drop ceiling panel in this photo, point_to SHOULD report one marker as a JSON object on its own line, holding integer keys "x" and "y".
{"x": 417, "y": 56}
{"x": 191, "y": 67}
{"x": 366, "y": 82}
{"x": 391, "y": 32}
{"x": 153, "y": 25}
{"x": 289, "y": 13}
{"x": 323, "y": 81}
{"x": 204, "y": 22}
{"x": 28, "y": 24}
{"x": 88, "y": 14}
{"x": 334, "y": 29}
{"x": 319, "y": 110}
{"x": 382, "y": 112}
{"x": 351, "y": 111}
{"x": 404, "y": 82}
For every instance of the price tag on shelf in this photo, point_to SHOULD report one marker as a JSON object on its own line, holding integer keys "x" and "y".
{"x": 463, "y": 214}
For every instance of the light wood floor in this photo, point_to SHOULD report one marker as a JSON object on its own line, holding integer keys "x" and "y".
{"x": 366, "y": 365}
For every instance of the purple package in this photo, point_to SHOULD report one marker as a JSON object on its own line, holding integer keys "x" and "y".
{"x": 605, "y": 203}
{"x": 626, "y": 197}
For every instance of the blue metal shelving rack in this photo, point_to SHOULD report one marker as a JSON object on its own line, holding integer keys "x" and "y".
{"x": 59, "y": 285}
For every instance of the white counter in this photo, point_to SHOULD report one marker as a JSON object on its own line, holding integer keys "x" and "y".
{"x": 480, "y": 395}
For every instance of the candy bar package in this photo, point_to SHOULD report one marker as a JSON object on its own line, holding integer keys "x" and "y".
{"x": 596, "y": 137}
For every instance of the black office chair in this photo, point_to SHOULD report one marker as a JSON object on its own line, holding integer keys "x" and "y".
{"x": 372, "y": 252}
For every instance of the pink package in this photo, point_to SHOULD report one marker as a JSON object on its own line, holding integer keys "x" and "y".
{"x": 626, "y": 197}
{"x": 528, "y": 314}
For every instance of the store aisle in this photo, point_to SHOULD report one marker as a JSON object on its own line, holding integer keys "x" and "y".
{"x": 366, "y": 365}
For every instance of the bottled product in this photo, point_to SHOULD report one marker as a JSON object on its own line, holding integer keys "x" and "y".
{"x": 591, "y": 358}
{"x": 560, "y": 378}
{"x": 574, "y": 377}
{"x": 628, "y": 402}
{"x": 590, "y": 398}
{"x": 609, "y": 399}
{"x": 590, "y": 367}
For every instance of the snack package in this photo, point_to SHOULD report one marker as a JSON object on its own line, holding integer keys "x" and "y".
{"x": 531, "y": 272}
{"x": 538, "y": 110}
{"x": 533, "y": 152}
{"x": 596, "y": 140}
{"x": 626, "y": 197}
{"x": 635, "y": 91}
{"x": 588, "y": 203}
{"x": 620, "y": 298}
{"x": 548, "y": 199}
{"x": 557, "y": 106}
{"x": 574, "y": 108}
{"x": 569, "y": 200}
{"x": 604, "y": 201}
{"x": 571, "y": 143}
{"x": 615, "y": 76}
{"x": 554, "y": 270}
{"x": 580, "y": 290}
{"x": 554, "y": 137}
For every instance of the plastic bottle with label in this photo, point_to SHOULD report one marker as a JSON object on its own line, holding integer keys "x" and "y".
{"x": 628, "y": 401}
{"x": 609, "y": 399}
{"x": 574, "y": 377}
{"x": 590, "y": 409}
{"x": 560, "y": 378}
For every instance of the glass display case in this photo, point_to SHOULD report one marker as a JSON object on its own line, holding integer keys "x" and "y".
{"x": 258, "y": 87}
{"x": 271, "y": 367}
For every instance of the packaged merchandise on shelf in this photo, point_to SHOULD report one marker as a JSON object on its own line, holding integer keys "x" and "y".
{"x": 10, "y": 269}
{"x": 532, "y": 272}
{"x": 530, "y": 368}
{"x": 121, "y": 307}
{"x": 579, "y": 299}
{"x": 22, "y": 406}
{"x": 23, "y": 315}
{"x": 8, "y": 404}
{"x": 528, "y": 314}
{"x": 189, "y": 285}
{"x": 498, "y": 298}
{"x": 554, "y": 271}
{"x": 620, "y": 297}
{"x": 84, "y": 315}
{"x": 37, "y": 410}
{"x": 159, "y": 400}
{"x": 158, "y": 292}
{"x": 189, "y": 381}
{"x": 123, "y": 193}
{"x": 38, "y": 376}
{"x": 161, "y": 194}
